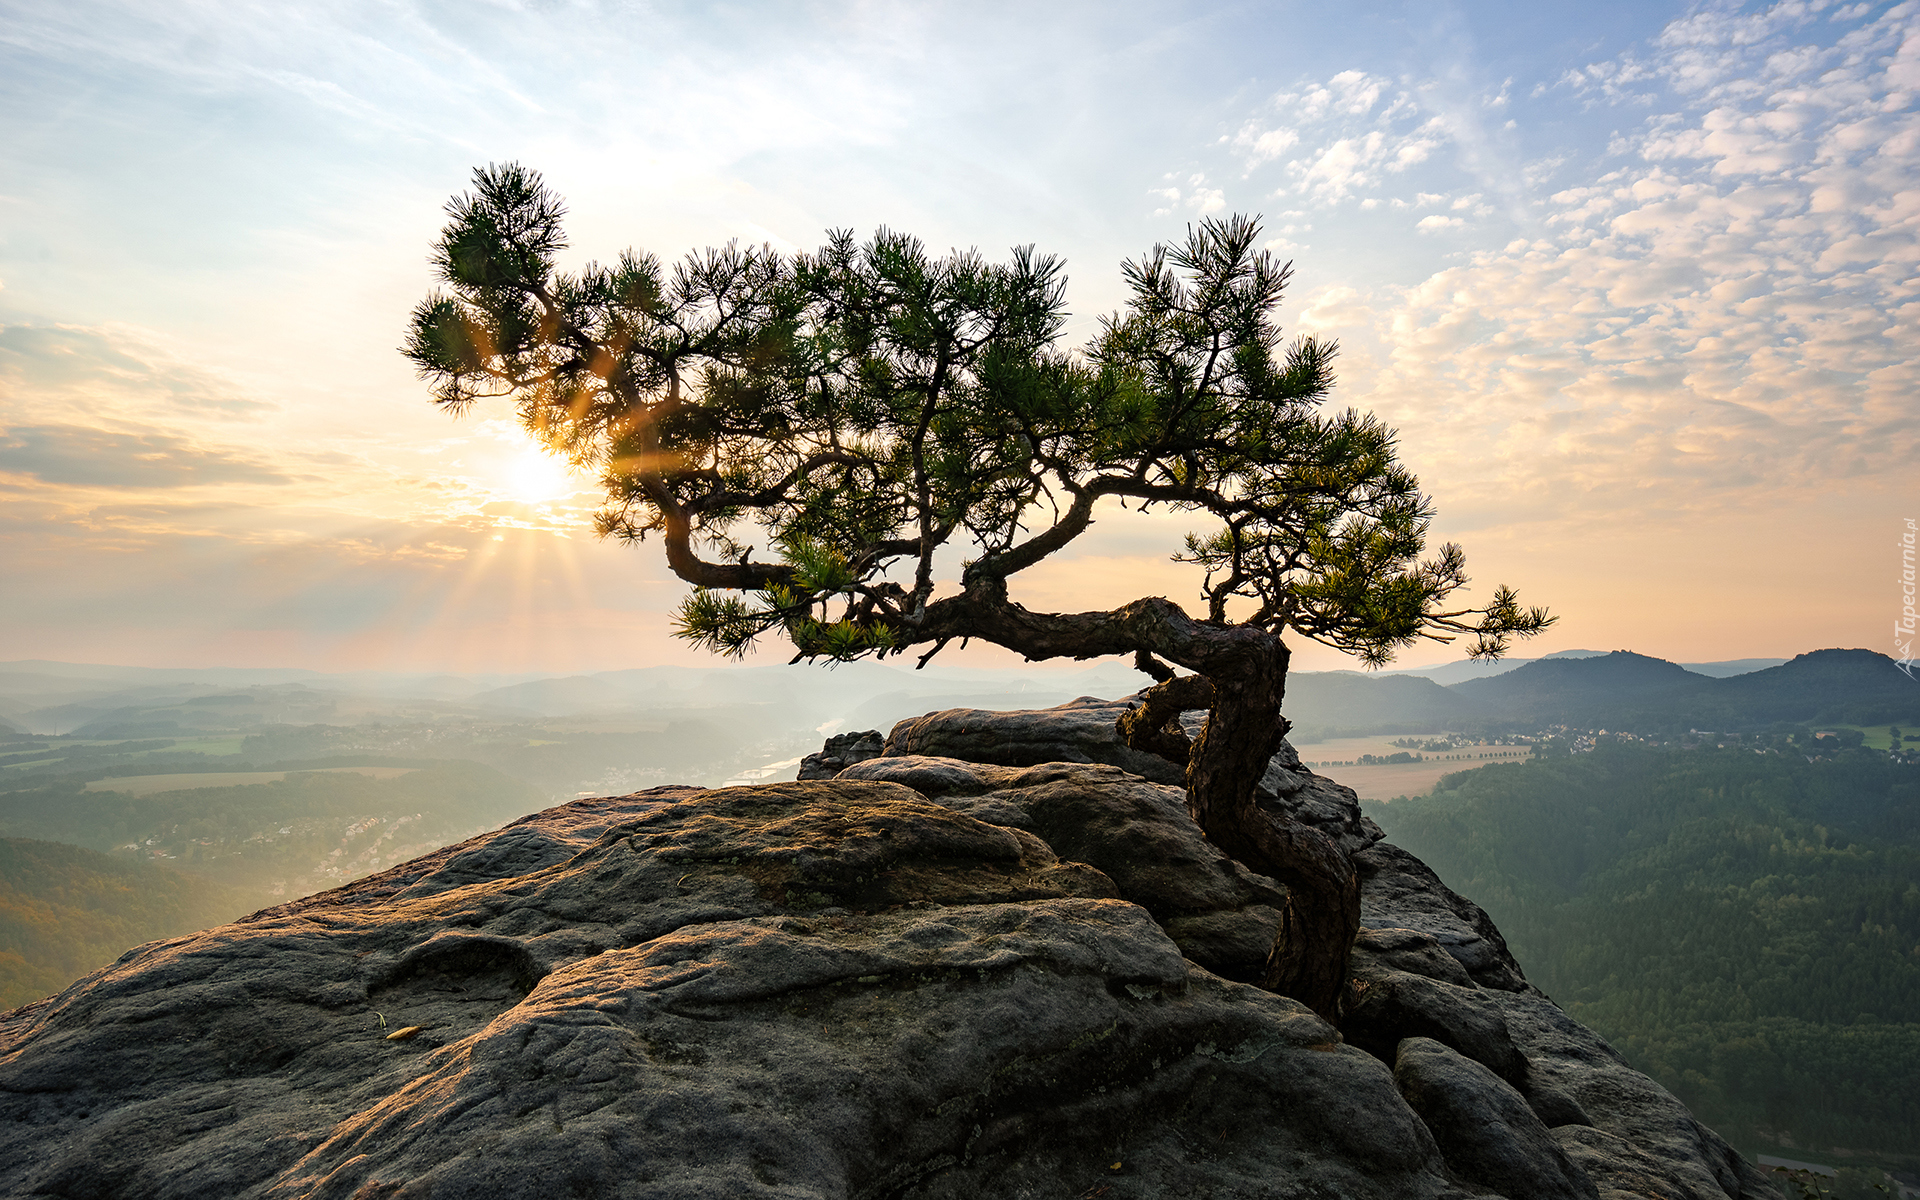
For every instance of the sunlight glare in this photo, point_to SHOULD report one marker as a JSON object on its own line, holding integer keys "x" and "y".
{"x": 534, "y": 476}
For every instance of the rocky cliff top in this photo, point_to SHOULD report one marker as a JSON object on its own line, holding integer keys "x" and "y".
{"x": 990, "y": 957}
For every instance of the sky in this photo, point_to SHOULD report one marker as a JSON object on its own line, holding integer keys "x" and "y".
{"x": 1637, "y": 283}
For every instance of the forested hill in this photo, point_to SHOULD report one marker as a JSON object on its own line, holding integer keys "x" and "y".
{"x": 1581, "y": 690}
{"x": 1849, "y": 687}
{"x": 66, "y": 911}
{"x": 1745, "y": 927}
{"x": 1623, "y": 690}
{"x": 1337, "y": 703}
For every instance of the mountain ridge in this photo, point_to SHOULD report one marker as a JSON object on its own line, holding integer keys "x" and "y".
{"x": 1627, "y": 690}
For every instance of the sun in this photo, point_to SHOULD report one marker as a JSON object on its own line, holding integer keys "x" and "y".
{"x": 533, "y": 476}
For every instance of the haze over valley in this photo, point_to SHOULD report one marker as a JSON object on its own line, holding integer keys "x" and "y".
{"x": 138, "y": 803}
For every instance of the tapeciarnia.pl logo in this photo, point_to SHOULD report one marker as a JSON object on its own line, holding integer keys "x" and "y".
{"x": 1903, "y": 627}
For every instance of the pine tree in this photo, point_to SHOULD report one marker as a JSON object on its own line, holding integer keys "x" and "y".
{"x": 847, "y": 414}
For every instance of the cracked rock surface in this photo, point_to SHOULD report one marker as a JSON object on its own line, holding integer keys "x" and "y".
{"x": 1086, "y": 731}
{"x": 820, "y": 989}
{"x": 926, "y": 977}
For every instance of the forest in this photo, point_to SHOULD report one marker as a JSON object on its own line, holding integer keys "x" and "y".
{"x": 1744, "y": 926}
{"x": 86, "y": 872}
{"x": 65, "y": 911}
{"x": 319, "y": 826}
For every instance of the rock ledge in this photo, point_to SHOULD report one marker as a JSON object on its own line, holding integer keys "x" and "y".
{"x": 930, "y": 976}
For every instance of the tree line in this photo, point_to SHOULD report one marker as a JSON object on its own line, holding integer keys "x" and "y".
{"x": 1745, "y": 927}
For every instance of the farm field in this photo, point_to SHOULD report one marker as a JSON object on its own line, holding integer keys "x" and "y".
{"x": 1400, "y": 779}
{"x": 223, "y": 745}
{"x": 147, "y": 785}
{"x": 1880, "y": 737}
{"x": 1375, "y": 781}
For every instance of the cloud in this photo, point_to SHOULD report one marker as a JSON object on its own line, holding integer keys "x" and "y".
{"x": 1731, "y": 318}
{"x": 1349, "y": 93}
{"x": 1713, "y": 315}
{"x": 113, "y": 407}
{"x": 1258, "y": 145}
{"x": 111, "y": 365}
{"x": 1336, "y": 171}
{"x": 82, "y": 456}
{"x": 1347, "y": 165}
{"x": 1199, "y": 198}
{"x": 1346, "y": 135}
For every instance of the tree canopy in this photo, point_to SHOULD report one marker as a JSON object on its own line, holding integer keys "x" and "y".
{"x": 847, "y": 413}
{"x": 807, "y": 433}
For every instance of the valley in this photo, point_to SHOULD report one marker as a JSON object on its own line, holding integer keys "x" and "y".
{"x": 1715, "y": 870}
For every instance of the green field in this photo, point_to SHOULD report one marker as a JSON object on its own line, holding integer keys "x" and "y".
{"x": 27, "y": 756}
{"x": 294, "y": 828}
{"x": 147, "y": 785}
{"x": 1385, "y": 781}
{"x": 1879, "y": 737}
{"x": 123, "y": 859}
{"x": 28, "y": 765}
{"x": 219, "y": 746}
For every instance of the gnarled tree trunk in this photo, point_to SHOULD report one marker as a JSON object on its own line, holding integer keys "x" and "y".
{"x": 1311, "y": 950}
{"x": 1240, "y": 678}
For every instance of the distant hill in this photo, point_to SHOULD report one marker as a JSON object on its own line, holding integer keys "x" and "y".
{"x": 1846, "y": 687}
{"x": 119, "y": 676}
{"x": 1451, "y": 673}
{"x": 66, "y": 911}
{"x": 1633, "y": 691}
{"x": 307, "y": 829}
{"x": 1581, "y": 691}
{"x": 559, "y": 697}
{"x": 770, "y": 708}
{"x": 1616, "y": 690}
{"x": 1323, "y": 704}
{"x": 1459, "y": 672}
{"x": 883, "y": 712}
{"x": 1732, "y": 666}
{"x": 129, "y": 702}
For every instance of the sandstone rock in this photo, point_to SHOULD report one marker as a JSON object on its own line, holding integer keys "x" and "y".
{"x": 1377, "y": 951}
{"x": 1086, "y": 731}
{"x": 1332, "y": 808}
{"x": 1222, "y": 915}
{"x": 1446, "y": 969}
{"x": 1398, "y": 891}
{"x": 1635, "y": 1130}
{"x": 807, "y": 989}
{"x": 924, "y": 978}
{"x": 1486, "y": 1131}
{"x": 1625, "y": 1171}
{"x": 1550, "y": 1103}
{"x": 1389, "y": 1006}
{"x": 842, "y": 751}
{"x": 1081, "y": 731}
